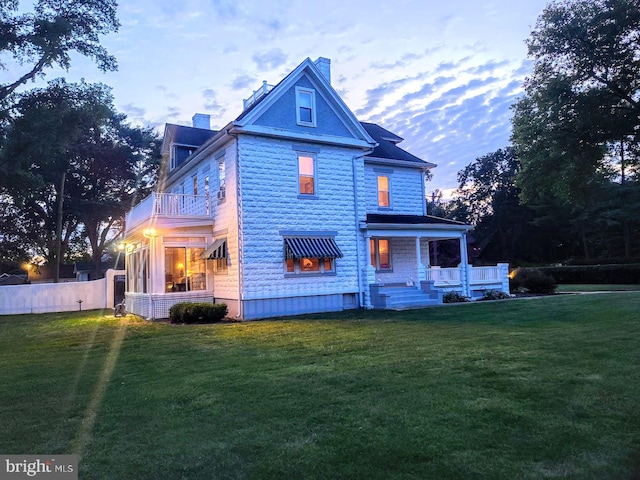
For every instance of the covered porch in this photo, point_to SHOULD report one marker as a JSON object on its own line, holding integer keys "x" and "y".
{"x": 399, "y": 271}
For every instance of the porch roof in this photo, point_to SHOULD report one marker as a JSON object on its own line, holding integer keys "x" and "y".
{"x": 413, "y": 226}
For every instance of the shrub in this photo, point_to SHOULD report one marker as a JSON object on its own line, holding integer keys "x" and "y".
{"x": 494, "y": 295}
{"x": 188, "y": 312}
{"x": 454, "y": 297}
{"x": 532, "y": 280}
{"x": 604, "y": 274}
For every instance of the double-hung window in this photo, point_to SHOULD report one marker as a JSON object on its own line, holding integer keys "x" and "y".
{"x": 306, "y": 174}
{"x": 305, "y": 107}
{"x": 380, "y": 253}
{"x": 383, "y": 192}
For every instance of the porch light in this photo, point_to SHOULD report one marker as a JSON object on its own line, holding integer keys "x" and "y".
{"x": 122, "y": 246}
{"x": 149, "y": 232}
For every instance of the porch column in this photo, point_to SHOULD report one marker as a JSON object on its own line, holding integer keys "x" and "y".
{"x": 428, "y": 249}
{"x": 465, "y": 277}
{"x": 369, "y": 273}
{"x": 503, "y": 269}
{"x": 421, "y": 270}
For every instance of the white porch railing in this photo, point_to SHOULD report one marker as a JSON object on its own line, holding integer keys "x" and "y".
{"x": 451, "y": 276}
{"x": 168, "y": 204}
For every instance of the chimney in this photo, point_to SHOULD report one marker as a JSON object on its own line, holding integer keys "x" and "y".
{"x": 202, "y": 120}
{"x": 324, "y": 64}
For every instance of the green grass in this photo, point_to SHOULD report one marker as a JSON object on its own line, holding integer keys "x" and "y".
{"x": 566, "y": 288}
{"x": 529, "y": 389}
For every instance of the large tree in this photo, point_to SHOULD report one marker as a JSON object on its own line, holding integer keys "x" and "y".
{"x": 72, "y": 166}
{"x": 47, "y": 36}
{"x": 577, "y": 128}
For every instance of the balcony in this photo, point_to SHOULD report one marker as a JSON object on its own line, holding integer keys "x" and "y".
{"x": 159, "y": 206}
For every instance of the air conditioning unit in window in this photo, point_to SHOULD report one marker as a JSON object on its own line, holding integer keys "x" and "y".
{"x": 221, "y": 194}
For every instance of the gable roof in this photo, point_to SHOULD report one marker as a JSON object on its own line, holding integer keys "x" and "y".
{"x": 187, "y": 136}
{"x": 244, "y": 121}
{"x": 387, "y": 146}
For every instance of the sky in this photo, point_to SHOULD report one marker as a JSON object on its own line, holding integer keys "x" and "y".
{"x": 440, "y": 74}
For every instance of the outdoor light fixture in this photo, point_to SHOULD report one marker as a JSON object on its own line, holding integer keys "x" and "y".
{"x": 149, "y": 232}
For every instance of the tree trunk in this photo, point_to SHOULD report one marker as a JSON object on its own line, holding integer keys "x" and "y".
{"x": 58, "y": 245}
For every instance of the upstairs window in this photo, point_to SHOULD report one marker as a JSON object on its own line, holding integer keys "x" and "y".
{"x": 383, "y": 191}
{"x": 305, "y": 107}
{"x": 306, "y": 174}
{"x": 221, "y": 174}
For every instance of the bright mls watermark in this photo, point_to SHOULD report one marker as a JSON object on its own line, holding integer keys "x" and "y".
{"x": 49, "y": 467}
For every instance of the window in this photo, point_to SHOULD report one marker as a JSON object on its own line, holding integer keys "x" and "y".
{"x": 305, "y": 107}
{"x": 310, "y": 255}
{"x": 195, "y": 185}
{"x": 221, "y": 174}
{"x": 184, "y": 270}
{"x": 306, "y": 174}
{"x": 383, "y": 191}
{"x": 380, "y": 253}
{"x": 310, "y": 265}
{"x": 206, "y": 193}
{"x": 138, "y": 269}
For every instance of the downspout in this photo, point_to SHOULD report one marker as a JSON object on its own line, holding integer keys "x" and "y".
{"x": 357, "y": 214}
{"x": 238, "y": 219}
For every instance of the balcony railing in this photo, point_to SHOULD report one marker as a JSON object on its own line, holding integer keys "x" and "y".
{"x": 170, "y": 205}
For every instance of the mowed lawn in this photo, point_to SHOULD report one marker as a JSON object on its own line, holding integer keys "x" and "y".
{"x": 518, "y": 389}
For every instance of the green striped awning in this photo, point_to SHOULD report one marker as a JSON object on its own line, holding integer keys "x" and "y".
{"x": 217, "y": 249}
{"x": 311, "y": 247}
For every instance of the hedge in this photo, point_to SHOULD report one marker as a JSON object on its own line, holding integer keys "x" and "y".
{"x": 595, "y": 274}
{"x": 188, "y": 312}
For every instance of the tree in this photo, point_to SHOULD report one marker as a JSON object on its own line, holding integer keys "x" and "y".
{"x": 577, "y": 128}
{"x": 487, "y": 191}
{"x": 72, "y": 166}
{"x": 46, "y": 37}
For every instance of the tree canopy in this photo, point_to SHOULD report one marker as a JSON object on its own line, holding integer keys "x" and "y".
{"x": 72, "y": 167}
{"x": 580, "y": 112}
{"x": 46, "y": 36}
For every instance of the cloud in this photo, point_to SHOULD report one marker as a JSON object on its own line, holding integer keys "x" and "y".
{"x": 270, "y": 59}
{"x": 211, "y": 103}
{"x": 132, "y": 111}
{"x": 242, "y": 82}
{"x": 226, "y": 10}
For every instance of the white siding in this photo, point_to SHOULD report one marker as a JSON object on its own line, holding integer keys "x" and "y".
{"x": 225, "y": 285}
{"x": 405, "y": 189}
{"x": 271, "y": 204}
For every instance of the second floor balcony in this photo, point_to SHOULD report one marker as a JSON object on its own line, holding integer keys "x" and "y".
{"x": 158, "y": 206}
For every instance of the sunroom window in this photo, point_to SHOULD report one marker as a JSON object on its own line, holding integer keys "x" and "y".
{"x": 184, "y": 270}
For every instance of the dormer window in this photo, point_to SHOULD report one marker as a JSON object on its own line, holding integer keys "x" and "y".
{"x": 305, "y": 107}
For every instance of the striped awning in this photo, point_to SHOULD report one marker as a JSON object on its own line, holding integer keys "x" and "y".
{"x": 217, "y": 249}
{"x": 311, "y": 247}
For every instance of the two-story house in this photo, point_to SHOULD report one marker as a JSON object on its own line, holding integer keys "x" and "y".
{"x": 293, "y": 207}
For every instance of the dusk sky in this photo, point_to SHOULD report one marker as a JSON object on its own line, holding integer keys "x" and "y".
{"x": 442, "y": 75}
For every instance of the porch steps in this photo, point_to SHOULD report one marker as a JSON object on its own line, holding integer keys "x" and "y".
{"x": 398, "y": 297}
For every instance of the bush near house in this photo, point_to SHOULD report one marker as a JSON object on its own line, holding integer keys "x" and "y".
{"x": 454, "y": 297}
{"x": 532, "y": 280}
{"x": 187, "y": 312}
{"x": 596, "y": 274}
{"x": 494, "y": 295}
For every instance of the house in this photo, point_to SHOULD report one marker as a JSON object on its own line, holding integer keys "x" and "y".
{"x": 293, "y": 207}
{"x": 13, "y": 279}
{"x": 45, "y": 274}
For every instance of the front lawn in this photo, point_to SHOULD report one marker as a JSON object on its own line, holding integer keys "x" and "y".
{"x": 528, "y": 389}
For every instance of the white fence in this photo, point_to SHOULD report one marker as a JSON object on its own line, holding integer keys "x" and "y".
{"x": 58, "y": 297}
